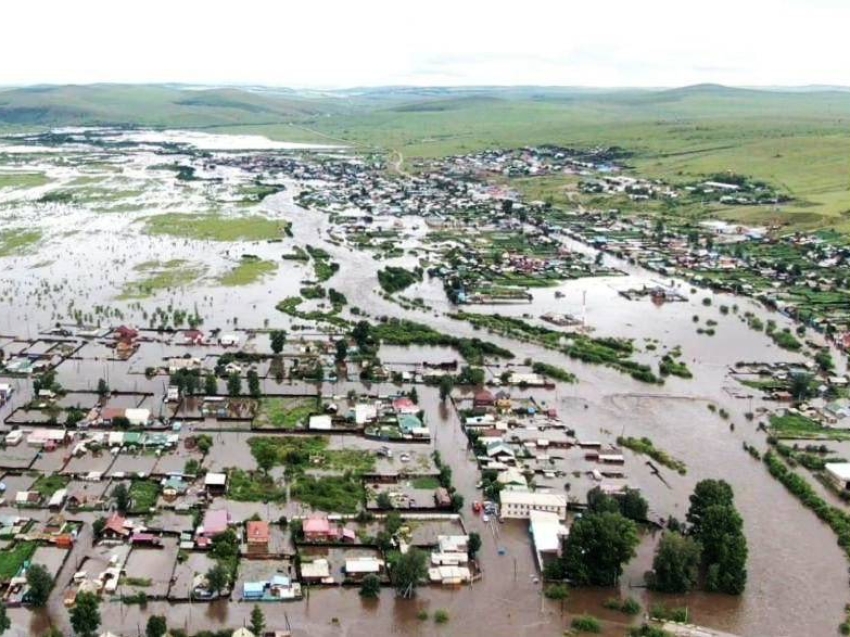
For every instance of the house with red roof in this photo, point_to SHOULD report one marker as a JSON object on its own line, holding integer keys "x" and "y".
{"x": 317, "y": 528}
{"x": 258, "y": 537}
{"x": 215, "y": 523}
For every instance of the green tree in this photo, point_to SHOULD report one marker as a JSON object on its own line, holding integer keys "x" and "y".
{"x": 414, "y": 395}
{"x": 633, "y": 505}
{"x": 341, "y": 351}
{"x": 800, "y": 386}
{"x": 85, "y": 616}
{"x": 225, "y": 545}
{"x": 258, "y": 621}
{"x": 254, "y": 383}
{"x": 217, "y": 578}
{"x": 5, "y": 622}
{"x": 706, "y": 494}
{"x": 98, "y": 525}
{"x": 597, "y": 547}
{"x": 474, "y": 544}
{"x": 157, "y": 626}
{"x": 266, "y": 457}
{"x": 718, "y": 524}
{"x": 729, "y": 574}
{"x": 210, "y": 385}
{"x": 278, "y": 340}
{"x": 384, "y": 501}
{"x": 102, "y": 388}
{"x": 600, "y": 502}
{"x": 370, "y": 587}
{"x": 675, "y": 567}
{"x": 407, "y": 571}
{"x": 122, "y": 497}
{"x": 446, "y": 386}
{"x": 205, "y": 443}
{"x": 362, "y": 335}
{"x": 234, "y": 384}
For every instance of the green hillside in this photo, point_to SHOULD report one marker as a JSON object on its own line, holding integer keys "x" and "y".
{"x": 797, "y": 140}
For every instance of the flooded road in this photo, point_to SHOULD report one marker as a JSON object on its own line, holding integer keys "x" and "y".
{"x": 797, "y": 581}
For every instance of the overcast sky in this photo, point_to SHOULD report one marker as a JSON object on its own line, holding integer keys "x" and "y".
{"x": 344, "y": 43}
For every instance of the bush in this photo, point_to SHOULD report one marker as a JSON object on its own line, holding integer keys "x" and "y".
{"x": 587, "y": 624}
{"x": 441, "y": 617}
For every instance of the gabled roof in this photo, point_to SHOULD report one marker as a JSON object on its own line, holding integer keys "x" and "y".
{"x": 258, "y": 531}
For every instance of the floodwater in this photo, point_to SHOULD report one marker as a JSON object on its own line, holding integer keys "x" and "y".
{"x": 797, "y": 573}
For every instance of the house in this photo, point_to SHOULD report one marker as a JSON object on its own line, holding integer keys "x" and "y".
{"x": 449, "y": 575}
{"x": 27, "y": 499}
{"x": 138, "y": 417}
{"x": 258, "y": 537}
{"x": 838, "y": 474}
{"x": 116, "y": 528}
{"x": 483, "y": 399}
{"x": 356, "y": 568}
{"x": 499, "y": 450}
{"x": 520, "y": 504}
{"x": 442, "y": 499}
{"x": 215, "y": 483}
{"x": 316, "y": 572}
{"x": 320, "y": 423}
{"x": 228, "y": 340}
{"x": 548, "y": 533}
{"x": 404, "y": 405}
{"x": 14, "y": 438}
{"x": 253, "y": 590}
{"x": 57, "y": 499}
{"x": 511, "y": 478}
{"x": 317, "y": 528}
{"x": 243, "y": 632}
{"x": 215, "y": 522}
{"x": 126, "y": 334}
{"x": 145, "y": 539}
{"x": 193, "y": 337}
{"x": 364, "y": 413}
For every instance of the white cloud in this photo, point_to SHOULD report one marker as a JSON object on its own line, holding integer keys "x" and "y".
{"x": 336, "y": 43}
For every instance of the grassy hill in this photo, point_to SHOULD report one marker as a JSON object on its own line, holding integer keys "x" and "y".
{"x": 797, "y": 139}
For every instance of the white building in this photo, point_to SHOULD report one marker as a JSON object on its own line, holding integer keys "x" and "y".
{"x": 320, "y": 423}
{"x": 839, "y": 474}
{"x": 520, "y": 504}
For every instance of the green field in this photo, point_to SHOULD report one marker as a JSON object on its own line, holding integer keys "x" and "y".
{"x": 215, "y": 227}
{"x": 160, "y": 276}
{"x": 22, "y": 180}
{"x": 17, "y": 242}
{"x": 248, "y": 271}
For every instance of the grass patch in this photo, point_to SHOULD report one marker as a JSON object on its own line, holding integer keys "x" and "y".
{"x": 426, "y": 482}
{"x": 48, "y": 485}
{"x": 143, "y": 496}
{"x": 22, "y": 180}
{"x": 393, "y": 279}
{"x": 245, "y": 486}
{"x": 166, "y": 275}
{"x": 332, "y": 494}
{"x": 284, "y": 413}
{"x": 215, "y": 227}
{"x": 302, "y": 453}
{"x": 794, "y": 425}
{"x": 551, "y": 371}
{"x": 17, "y": 242}
{"x": 248, "y": 271}
{"x": 12, "y": 559}
{"x": 644, "y": 446}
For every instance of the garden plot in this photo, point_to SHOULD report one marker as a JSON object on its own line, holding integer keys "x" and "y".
{"x": 50, "y": 558}
{"x": 195, "y": 563}
{"x": 148, "y": 570}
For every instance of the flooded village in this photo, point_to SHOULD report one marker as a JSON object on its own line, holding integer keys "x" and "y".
{"x": 375, "y": 398}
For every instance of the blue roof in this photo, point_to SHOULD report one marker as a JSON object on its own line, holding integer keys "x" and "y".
{"x": 279, "y": 580}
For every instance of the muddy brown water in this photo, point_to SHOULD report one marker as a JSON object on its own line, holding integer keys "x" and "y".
{"x": 797, "y": 574}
